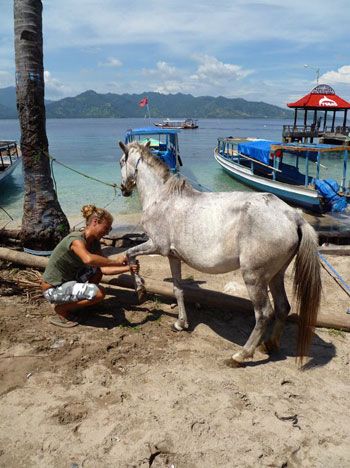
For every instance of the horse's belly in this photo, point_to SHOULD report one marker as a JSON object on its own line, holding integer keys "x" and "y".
{"x": 208, "y": 263}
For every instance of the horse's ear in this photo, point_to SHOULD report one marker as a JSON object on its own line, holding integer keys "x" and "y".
{"x": 148, "y": 144}
{"x": 124, "y": 149}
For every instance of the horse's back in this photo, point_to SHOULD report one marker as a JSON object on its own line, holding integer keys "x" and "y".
{"x": 269, "y": 234}
{"x": 221, "y": 231}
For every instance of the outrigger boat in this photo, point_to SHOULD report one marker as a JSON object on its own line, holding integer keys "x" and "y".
{"x": 163, "y": 144}
{"x": 182, "y": 124}
{"x": 292, "y": 171}
{"x": 9, "y": 158}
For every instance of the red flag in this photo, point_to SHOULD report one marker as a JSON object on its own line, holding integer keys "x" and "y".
{"x": 143, "y": 102}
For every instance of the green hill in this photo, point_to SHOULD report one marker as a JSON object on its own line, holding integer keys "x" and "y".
{"x": 92, "y": 104}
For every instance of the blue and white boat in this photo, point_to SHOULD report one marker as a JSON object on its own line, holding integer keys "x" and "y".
{"x": 164, "y": 144}
{"x": 9, "y": 158}
{"x": 292, "y": 171}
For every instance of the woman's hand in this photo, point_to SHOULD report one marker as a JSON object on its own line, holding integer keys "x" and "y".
{"x": 134, "y": 267}
{"x": 122, "y": 260}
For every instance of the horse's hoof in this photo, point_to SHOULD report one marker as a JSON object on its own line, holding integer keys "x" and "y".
{"x": 233, "y": 363}
{"x": 175, "y": 327}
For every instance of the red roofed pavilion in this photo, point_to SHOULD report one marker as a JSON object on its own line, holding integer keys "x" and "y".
{"x": 320, "y": 101}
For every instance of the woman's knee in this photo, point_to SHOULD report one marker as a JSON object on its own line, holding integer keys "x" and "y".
{"x": 101, "y": 293}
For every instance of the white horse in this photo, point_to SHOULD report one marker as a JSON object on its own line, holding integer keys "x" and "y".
{"x": 221, "y": 232}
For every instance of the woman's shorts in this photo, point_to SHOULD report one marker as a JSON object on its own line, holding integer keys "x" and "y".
{"x": 73, "y": 291}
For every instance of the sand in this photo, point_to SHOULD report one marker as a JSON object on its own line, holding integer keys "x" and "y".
{"x": 123, "y": 390}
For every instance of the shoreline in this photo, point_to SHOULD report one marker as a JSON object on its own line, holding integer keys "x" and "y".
{"x": 329, "y": 227}
{"x": 76, "y": 222}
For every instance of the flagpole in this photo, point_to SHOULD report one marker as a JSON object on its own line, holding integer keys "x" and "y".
{"x": 149, "y": 113}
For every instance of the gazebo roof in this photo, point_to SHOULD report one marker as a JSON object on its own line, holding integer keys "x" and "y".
{"x": 321, "y": 97}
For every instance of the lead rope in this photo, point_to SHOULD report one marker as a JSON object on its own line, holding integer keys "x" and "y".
{"x": 52, "y": 159}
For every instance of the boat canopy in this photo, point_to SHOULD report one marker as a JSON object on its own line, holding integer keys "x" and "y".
{"x": 259, "y": 149}
{"x": 163, "y": 143}
{"x": 150, "y": 131}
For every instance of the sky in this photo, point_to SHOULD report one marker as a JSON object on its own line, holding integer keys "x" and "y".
{"x": 268, "y": 50}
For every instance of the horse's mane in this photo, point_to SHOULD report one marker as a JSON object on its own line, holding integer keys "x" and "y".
{"x": 174, "y": 182}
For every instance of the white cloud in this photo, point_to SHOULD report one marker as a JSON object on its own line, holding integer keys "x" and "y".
{"x": 111, "y": 62}
{"x": 184, "y": 25}
{"x": 342, "y": 75}
{"x": 162, "y": 68}
{"x": 216, "y": 72}
{"x": 54, "y": 88}
{"x": 211, "y": 76}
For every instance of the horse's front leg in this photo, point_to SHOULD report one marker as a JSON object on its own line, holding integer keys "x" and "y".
{"x": 175, "y": 267}
{"x": 146, "y": 248}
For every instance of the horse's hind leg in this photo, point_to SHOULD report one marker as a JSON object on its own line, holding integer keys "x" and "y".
{"x": 175, "y": 266}
{"x": 282, "y": 308}
{"x": 257, "y": 289}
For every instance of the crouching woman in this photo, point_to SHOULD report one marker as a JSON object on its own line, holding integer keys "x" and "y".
{"x": 71, "y": 278}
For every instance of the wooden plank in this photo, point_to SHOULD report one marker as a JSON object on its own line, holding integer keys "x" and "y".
{"x": 343, "y": 250}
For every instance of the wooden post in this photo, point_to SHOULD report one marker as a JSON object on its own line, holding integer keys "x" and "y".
{"x": 333, "y": 120}
{"x": 295, "y": 117}
{"x": 345, "y": 115}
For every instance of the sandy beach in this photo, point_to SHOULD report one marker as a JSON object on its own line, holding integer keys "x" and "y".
{"x": 124, "y": 390}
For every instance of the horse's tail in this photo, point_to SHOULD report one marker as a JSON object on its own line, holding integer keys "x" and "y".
{"x": 307, "y": 286}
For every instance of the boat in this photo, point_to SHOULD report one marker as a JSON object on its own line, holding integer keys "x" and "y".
{"x": 183, "y": 124}
{"x": 296, "y": 169}
{"x": 292, "y": 171}
{"x": 164, "y": 144}
{"x": 9, "y": 158}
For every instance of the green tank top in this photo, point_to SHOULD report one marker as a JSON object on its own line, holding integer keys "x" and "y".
{"x": 64, "y": 265}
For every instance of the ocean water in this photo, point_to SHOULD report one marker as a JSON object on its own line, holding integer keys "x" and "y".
{"x": 91, "y": 146}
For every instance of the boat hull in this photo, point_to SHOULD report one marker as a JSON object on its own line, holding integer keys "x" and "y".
{"x": 9, "y": 170}
{"x": 296, "y": 195}
{"x": 187, "y": 127}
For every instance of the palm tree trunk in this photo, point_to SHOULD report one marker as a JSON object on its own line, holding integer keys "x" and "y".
{"x": 44, "y": 224}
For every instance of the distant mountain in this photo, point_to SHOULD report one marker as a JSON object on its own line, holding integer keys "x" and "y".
{"x": 8, "y": 109}
{"x": 7, "y": 113}
{"x": 8, "y": 97}
{"x": 92, "y": 104}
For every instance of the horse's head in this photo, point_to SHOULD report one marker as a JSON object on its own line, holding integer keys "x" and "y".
{"x": 128, "y": 167}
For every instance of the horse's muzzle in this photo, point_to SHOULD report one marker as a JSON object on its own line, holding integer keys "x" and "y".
{"x": 125, "y": 192}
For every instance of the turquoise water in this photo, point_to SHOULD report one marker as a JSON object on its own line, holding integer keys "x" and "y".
{"x": 90, "y": 146}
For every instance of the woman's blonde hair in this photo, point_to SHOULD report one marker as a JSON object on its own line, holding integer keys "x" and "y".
{"x": 91, "y": 212}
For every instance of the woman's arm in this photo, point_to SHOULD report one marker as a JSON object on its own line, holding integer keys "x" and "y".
{"x": 88, "y": 258}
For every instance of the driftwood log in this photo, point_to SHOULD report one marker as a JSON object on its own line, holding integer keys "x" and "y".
{"x": 193, "y": 294}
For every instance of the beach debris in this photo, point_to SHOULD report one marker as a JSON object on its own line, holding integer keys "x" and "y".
{"x": 21, "y": 281}
{"x": 58, "y": 344}
{"x": 293, "y": 418}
